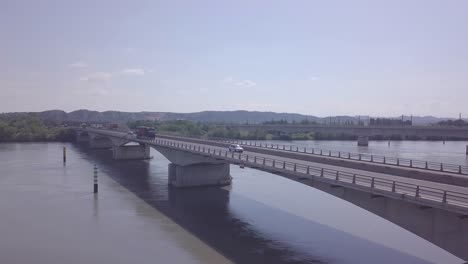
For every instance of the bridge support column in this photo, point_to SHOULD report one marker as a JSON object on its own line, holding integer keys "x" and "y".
{"x": 363, "y": 141}
{"x": 201, "y": 174}
{"x": 131, "y": 152}
{"x": 100, "y": 143}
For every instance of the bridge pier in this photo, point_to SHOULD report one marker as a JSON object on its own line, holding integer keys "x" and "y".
{"x": 131, "y": 152}
{"x": 363, "y": 141}
{"x": 201, "y": 174}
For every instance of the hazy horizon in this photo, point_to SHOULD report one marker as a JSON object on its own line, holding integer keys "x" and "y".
{"x": 324, "y": 116}
{"x": 314, "y": 58}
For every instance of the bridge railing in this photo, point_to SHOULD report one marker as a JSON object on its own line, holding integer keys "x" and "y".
{"x": 377, "y": 185}
{"x": 402, "y": 162}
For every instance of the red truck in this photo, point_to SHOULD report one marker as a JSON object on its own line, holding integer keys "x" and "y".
{"x": 113, "y": 126}
{"x": 145, "y": 132}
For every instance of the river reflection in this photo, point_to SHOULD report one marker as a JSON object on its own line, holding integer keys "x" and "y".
{"x": 242, "y": 226}
{"x": 205, "y": 212}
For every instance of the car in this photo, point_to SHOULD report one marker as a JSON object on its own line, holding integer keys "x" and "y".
{"x": 235, "y": 148}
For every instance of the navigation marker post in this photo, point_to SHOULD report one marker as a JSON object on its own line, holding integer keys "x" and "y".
{"x": 64, "y": 154}
{"x": 95, "y": 179}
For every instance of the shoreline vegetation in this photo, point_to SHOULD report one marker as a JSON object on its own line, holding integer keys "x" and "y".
{"x": 29, "y": 128}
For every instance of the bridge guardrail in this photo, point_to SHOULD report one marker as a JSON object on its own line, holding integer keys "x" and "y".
{"x": 418, "y": 192}
{"x": 422, "y": 193}
{"x": 402, "y": 162}
{"x": 394, "y": 161}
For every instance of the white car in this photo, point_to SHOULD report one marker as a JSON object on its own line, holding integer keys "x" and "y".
{"x": 235, "y": 148}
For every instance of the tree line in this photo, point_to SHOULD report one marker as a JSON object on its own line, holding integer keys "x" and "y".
{"x": 28, "y": 128}
{"x": 210, "y": 130}
{"x": 456, "y": 123}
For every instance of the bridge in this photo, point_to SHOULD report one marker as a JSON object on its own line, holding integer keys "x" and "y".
{"x": 430, "y": 203}
{"x": 363, "y": 132}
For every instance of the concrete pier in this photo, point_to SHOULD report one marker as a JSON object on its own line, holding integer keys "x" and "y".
{"x": 131, "y": 152}
{"x": 363, "y": 141}
{"x": 202, "y": 174}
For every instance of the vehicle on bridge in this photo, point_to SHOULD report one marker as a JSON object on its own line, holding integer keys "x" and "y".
{"x": 235, "y": 148}
{"x": 143, "y": 132}
{"x": 113, "y": 126}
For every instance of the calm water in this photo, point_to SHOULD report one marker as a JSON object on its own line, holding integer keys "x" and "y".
{"x": 448, "y": 152}
{"x": 49, "y": 215}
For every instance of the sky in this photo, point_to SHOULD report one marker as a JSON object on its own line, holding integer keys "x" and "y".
{"x": 381, "y": 58}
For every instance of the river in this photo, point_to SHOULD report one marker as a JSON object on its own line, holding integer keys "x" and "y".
{"x": 49, "y": 214}
{"x": 452, "y": 152}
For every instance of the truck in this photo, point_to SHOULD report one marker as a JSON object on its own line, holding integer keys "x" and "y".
{"x": 144, "y": 132}
{"x": 113, "y": 126}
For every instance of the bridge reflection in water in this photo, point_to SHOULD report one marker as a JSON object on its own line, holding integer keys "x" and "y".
{"x": 242, "y": 229}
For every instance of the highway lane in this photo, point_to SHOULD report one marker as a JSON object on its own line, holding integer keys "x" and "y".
{"x": 457, "y": 172}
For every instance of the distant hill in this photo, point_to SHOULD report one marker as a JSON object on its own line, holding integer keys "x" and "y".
{"x": 237, "y": 116}
{"x": 205, "y": 116}
{"x": 240, "y": 116}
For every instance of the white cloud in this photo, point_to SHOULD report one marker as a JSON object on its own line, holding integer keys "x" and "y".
{"x": 134, "y": 71}
{"x": 313, "y": 78}
{"x": 246, "y": 83}
{"x": 78, "y": 64}
{"x": 228, "y": 79}
{"x": 97, "y": 77}
{"x": 243, "y": 83}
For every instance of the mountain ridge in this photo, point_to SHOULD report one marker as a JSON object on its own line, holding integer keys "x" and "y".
{"x": 237, "y": 116}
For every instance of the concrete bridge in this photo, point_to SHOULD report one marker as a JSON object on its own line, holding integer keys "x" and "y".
{"x": 185, "y": 170}
{"x": 432, "y": 205}
{"x": 363, "y": 132}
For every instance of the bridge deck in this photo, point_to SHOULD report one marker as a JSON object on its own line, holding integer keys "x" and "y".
{"x": 447, "y": 176}
{"x": 361, "y": 158}
{"x": 339, "y": 168}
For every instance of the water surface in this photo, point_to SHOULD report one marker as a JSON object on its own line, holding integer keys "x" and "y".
{"x": 49, "y": 215}
{"x": 453, "y": 152}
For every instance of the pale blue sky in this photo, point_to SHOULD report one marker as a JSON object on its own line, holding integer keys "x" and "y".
{"x": 320, "y": 58}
